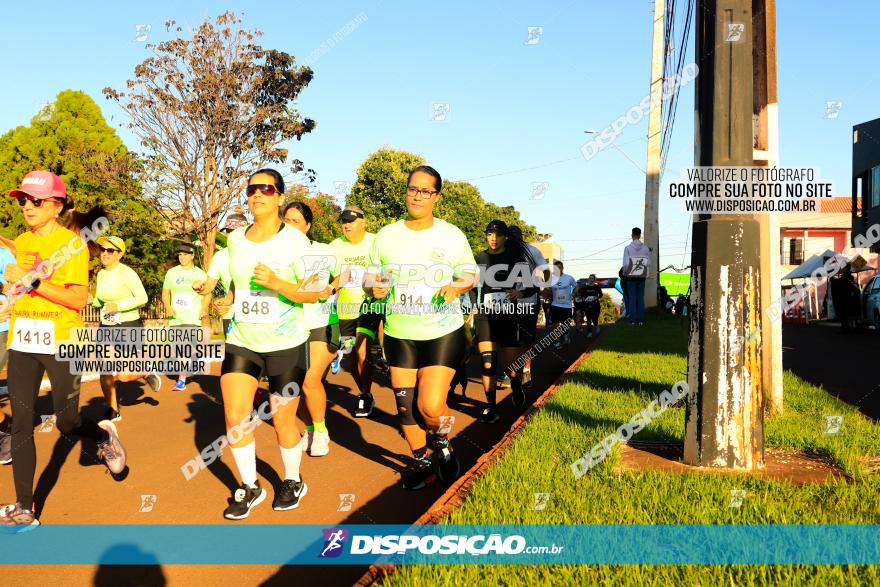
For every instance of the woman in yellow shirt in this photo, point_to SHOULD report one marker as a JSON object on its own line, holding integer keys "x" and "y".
{"x": 49, "y": 288}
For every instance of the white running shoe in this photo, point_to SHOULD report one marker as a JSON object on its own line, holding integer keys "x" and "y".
{"x": 320, "y": 445}
{"x": 154, "y": 381}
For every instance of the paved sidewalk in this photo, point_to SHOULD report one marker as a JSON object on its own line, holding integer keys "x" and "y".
{"x": 162, "y": 431}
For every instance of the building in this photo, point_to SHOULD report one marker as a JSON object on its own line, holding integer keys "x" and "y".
{"x": 806, "y": 234}
{"x": 866, "y": 177}
{"x": 551, "y": 250}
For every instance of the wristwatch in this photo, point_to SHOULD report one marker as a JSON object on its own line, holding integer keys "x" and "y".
{"x": 35, "y": 284}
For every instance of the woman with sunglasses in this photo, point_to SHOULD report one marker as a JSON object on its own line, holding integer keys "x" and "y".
{"x": 323, "y": 333}
{"x": 425, "y": 338}
{"x": 49, "y": 289}
{"x": 120, "y": 294}
{"x": 267, "y": 336}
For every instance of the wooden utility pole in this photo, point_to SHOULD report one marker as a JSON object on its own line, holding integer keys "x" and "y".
{"x": 767, "y": 153}
{"x": 651, "y": 229}
{"x": 724, "y": 415}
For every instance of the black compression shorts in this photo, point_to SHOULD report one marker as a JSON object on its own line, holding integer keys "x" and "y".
{"x": 559, "y": 315}
{"x": 281, "y": 367}
{"x": 327, "y": 334}
{"x": 446, "y": 351}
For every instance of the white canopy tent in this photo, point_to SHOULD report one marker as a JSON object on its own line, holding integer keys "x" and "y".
{"x": 804, "y": 271}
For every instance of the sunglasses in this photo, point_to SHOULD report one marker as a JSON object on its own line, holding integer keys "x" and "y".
{"x": 267, "y": 189}
{"x": 106, "y": 250}
{"x": 22, "y": 200}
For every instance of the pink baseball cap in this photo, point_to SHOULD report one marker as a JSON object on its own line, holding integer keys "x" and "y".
{"x": 41, "y": 185}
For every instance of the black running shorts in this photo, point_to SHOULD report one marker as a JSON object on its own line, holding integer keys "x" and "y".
{"x": 446, "y": 351}
{"x": 281, "y": 367}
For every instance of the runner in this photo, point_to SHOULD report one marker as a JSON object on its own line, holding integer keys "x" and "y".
{"x": 119, "y": 294}
{"x": 561, "y": 300}
{"x": 358, "y": 318}
{"x": 183, "y": 306}
{"x": 43, "y": 312}
{"x": 580, "y": 305}
{"x": 6, "y": 258}
{"x": 497, "y": 323}
{"x": 529, "y": 308}
{"x": 323, "y": 325}
{"x": 592, "y": 293}
{"x": 267, "y": 337}
{"x": 424, "y": 327}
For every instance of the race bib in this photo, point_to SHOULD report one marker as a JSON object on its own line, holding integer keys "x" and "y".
{"x": 414, "y": 294}
{"x": 110, "y": 318}
{"x": 561, "y": 296}
{"x": 183, "y": 302}
{"x": 259, "y": 307}
{"x": 580, "y": 299}
{"x": 498, "y": 297}
{"x": 34, "y": 336}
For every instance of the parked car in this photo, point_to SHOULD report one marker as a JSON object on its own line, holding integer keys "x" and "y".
{"x": 872, "y": 303}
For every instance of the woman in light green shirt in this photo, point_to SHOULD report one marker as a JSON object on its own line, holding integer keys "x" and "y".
{"x": 119, "y": 294}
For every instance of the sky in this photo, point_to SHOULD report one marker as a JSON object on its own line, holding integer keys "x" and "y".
{"x": 516, "y": 109}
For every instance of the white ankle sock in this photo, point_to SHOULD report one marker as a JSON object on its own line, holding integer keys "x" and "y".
{"x": 246, "y": 462}
{"x": 292, "y": 457}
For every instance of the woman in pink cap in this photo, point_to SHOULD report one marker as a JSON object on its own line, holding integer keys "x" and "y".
{"x": 48, "y": 289}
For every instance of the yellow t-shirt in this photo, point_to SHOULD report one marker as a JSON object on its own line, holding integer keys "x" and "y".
{"x": 68, "y": 257}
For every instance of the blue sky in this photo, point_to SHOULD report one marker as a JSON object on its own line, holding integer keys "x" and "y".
{"x": 512, "y": 105}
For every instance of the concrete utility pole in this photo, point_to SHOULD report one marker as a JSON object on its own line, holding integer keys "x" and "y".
{"x": 724, "y": 417}
{"x": 651, "y": 228}
{"x": 767, "y": 154}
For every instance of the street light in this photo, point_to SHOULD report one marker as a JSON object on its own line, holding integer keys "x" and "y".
{"x": 592, "y": 131}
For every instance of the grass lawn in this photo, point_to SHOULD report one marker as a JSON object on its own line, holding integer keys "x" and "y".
{"x": 630, "y": 369}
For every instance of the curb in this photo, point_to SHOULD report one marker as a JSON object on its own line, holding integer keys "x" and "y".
{"x": 458, "y": 491}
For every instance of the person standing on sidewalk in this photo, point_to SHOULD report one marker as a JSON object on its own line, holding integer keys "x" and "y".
{"x": 46, "y": 298}
{"x": 425, "y": 339}
{"x": 120, "y": 294}
{"x": 184, "y": 307}
{"x": 635, "y": 268}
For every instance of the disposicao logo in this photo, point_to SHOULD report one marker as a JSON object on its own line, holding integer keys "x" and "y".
{"x": 334, "y": 538}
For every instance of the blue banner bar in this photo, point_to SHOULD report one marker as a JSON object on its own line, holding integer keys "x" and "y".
{"x": 443, "y": 544}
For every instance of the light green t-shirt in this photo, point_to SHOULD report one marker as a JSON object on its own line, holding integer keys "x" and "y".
{"x": 264, "y": 320}
{"x": 441, "y": 252}
{"x": 219, "y": 270}
{"x": 320, "y": 260}
{"x": 187, "y": 304}
{"x": 351, "y": 264}
{"x": 121, "y": 286}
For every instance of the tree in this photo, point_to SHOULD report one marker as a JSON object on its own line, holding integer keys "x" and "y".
{"x": 72, "y": 139}
{"x": 462, "y": 205}
{"x": 210, "y": 109}
{"x": 325, "y": 212}
{"x": 380, "y": 189}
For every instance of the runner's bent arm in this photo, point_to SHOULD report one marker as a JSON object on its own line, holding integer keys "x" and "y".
{"x": 73, "y": 296}
{"x": 293, "y": 291}
{"x": 138, "y": 293}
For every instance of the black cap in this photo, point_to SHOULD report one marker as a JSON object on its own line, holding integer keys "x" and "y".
{"x": 497, "y": 226}
{"x": 185, "y": 248}
{"x": 350, "y": 214}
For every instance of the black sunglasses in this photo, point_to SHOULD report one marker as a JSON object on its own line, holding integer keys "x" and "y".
{"x": 267, "y": 189}
{"x": 22, "y": 200}
{"x": 106, "y": 250}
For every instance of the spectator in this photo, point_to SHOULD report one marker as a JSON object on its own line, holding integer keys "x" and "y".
{"x": 636, "y": 264}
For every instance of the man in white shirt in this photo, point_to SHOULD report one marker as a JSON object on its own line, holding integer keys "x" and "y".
{"x": 636, "y": 264}
{"x": 562, "y": 296}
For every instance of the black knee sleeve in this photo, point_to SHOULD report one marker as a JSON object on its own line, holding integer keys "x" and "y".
{"x": 404, "y": 397}
{"x": 488, "y": 363}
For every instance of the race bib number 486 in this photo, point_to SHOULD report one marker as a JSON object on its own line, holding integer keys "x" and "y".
{"x": 33, "y": 336}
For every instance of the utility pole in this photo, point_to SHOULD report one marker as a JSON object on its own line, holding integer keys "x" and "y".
{"x": 651, "y": 229}
{"x": 724, "y": 415}
{"x": 767, "y": 153}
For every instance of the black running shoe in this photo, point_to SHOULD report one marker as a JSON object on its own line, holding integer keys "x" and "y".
{"x": 490, "y": 416}
{"x": 365, "y": 406}
{"x": 244, "y": 499}
{"x": 112, "y": 415}
{"x": 422, "y": 473}
{"x": 290, "y": 494}
{"x": 448, "y": 468}
{"x": 517, "y": 395}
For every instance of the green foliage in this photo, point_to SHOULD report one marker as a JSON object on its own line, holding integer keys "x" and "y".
{"x": 380, "y": 189}
{"x": 325, "y": 212}
{"x": 607, "y": 309}
{"x": 72, "y": 139}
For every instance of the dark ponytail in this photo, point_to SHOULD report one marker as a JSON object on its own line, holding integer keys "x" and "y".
{"x": 303, "y": 209}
